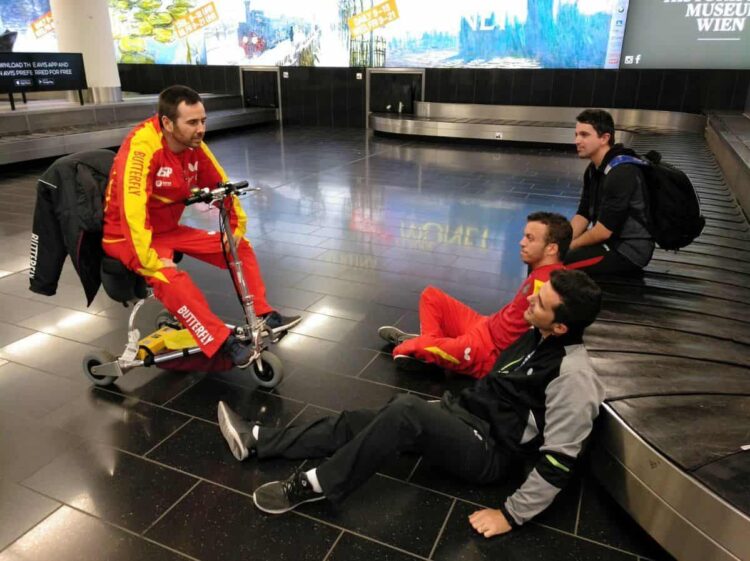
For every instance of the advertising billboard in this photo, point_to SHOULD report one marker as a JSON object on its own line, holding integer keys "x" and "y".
{"x": 26, "y": 26}
{"x": 377, "y": 33}
{"x": 688, "y": 34}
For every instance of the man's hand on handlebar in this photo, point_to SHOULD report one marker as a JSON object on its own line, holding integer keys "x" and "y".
{"x": 168, "y": 263}
{"x": 207, "y": 195}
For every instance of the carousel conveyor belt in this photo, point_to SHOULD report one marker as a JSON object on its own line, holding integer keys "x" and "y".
{"x": 673, "y": 349}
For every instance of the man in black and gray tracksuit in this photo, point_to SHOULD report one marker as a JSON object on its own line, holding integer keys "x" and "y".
{"x": 538, "y": 404}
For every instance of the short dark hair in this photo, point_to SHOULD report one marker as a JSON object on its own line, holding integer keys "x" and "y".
{"x": 559, "y": 230}
{"x": 581, "y": 298}
{"x": 600, "y": 120}
{"x": 171, "y": 97}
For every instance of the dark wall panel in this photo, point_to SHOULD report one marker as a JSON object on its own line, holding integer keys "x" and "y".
{"x": 334, "y": 97}
{"x": 604, "y": 88}
{"x": 583, "y": 88}
{"x": 649, "y": 89}
{"x": 152, "y": 78}
{"x": 562, "y": 88}
{"x": 673, "y": 90}
{"x": 323, "y": 96}
{"x": 626, "y": 88}
{"x": 447, "y": 86}
{"x": 465, "y": 84}
{"x": 502, "y": 86}
{"x": 521, "y": 88}
{"x": 542, "y": 82}
{"x": 691, "y": 91}
{"x": 389, "y": 90}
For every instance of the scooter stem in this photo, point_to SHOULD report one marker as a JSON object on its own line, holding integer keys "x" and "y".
{"x": 236, "y": 266}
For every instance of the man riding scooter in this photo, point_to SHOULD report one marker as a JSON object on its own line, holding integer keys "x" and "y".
{"x": 158, "y": 164}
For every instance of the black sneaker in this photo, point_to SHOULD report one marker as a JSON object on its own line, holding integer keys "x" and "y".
{"x": 410, "y": 364}
{"x": 278, "y": 497}
{"x": 276, "y": 323}
{"x": 237, "y": 351}
{"x": 237, "y": 432}
{"x": 394, "y": 335}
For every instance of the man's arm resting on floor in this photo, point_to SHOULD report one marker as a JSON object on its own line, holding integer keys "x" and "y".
{"x": 490, "y": 522}
{"x": 572, "y": 404}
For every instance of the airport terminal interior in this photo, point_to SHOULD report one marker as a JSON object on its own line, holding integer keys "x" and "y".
{"x": 406, "y": 163}
{"x": 349, "y": 228}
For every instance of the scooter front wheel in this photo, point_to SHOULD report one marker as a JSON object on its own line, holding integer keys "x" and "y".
{"x": 268, "y": 370}
{"x": 97, "y": 358}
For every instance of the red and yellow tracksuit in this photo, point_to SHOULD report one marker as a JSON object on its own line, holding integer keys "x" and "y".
{"x": 460, "y": 339}
{"x": 143, "y": 206}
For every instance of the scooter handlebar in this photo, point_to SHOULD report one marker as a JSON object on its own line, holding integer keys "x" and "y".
{"x": 223, "y": 190}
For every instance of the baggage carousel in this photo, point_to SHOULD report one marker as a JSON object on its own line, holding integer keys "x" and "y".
{"x": 673, "y": 349}
{"x": 48, "y": 129}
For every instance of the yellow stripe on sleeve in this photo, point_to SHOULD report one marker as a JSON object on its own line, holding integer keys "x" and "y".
{"x": 135, "y": 195}
{"x": 442, "y": 354}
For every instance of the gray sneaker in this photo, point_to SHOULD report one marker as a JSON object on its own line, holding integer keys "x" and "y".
{"x": 278, "y": 497}
{"x": 394, "y": 335}
{"x": 237, "y": 432}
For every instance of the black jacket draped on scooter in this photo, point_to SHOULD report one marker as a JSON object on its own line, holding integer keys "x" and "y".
{"x": 68, "y": 221}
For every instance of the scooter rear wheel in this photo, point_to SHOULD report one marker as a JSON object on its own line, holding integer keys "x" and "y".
{"x": 95, "y": 358}
{"x": 273, "y": 370}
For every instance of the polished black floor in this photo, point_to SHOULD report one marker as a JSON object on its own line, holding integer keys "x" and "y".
{"x": 348, "y": 229}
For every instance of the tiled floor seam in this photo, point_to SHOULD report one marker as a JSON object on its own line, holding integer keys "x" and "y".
{"x": 584, "y": 538}
{"x": 442, "y": 529}
{"x": 110, "y": 524}
{"x": 335, "y": 543}
{"x": 183, "y": 413}
{"x": 366, "y": 366}
{"x": 175, "y": 396}
{"x": 406, "y": 390}
{"x": 35, "y": 525}
{"x": 480, "y": 505}
{"x": 170, "y": 435}
{"x": 167, "y": 511}
{"x": 357, "y": 534}
{"x": 249, "y": 495}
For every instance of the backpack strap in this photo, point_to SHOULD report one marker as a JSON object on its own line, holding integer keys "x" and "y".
{"x": 625, "y": 159}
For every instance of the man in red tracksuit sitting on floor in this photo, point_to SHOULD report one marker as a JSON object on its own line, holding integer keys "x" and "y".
{"x": 158, "y": 163}
{"x": 460, "y": 339}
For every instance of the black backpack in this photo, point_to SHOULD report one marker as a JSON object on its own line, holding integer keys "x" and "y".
{"x": 672, "y": 206}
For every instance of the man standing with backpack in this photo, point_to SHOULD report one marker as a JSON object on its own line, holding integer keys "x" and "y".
{"x": 609, "y": 229}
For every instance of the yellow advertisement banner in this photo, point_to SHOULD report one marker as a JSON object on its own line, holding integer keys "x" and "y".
{"x": 196, "y": 19}
{"x": 42, "y": 25}
{"x": 375, "y": 17}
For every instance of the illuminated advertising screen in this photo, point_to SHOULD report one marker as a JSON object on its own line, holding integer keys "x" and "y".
{"x": 688, "y": 34}
{"x": 377, "y": 33}
{"x": 26, "y": 26}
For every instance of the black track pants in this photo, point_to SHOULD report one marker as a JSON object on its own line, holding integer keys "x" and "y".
{"x": 360, "y": 442}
